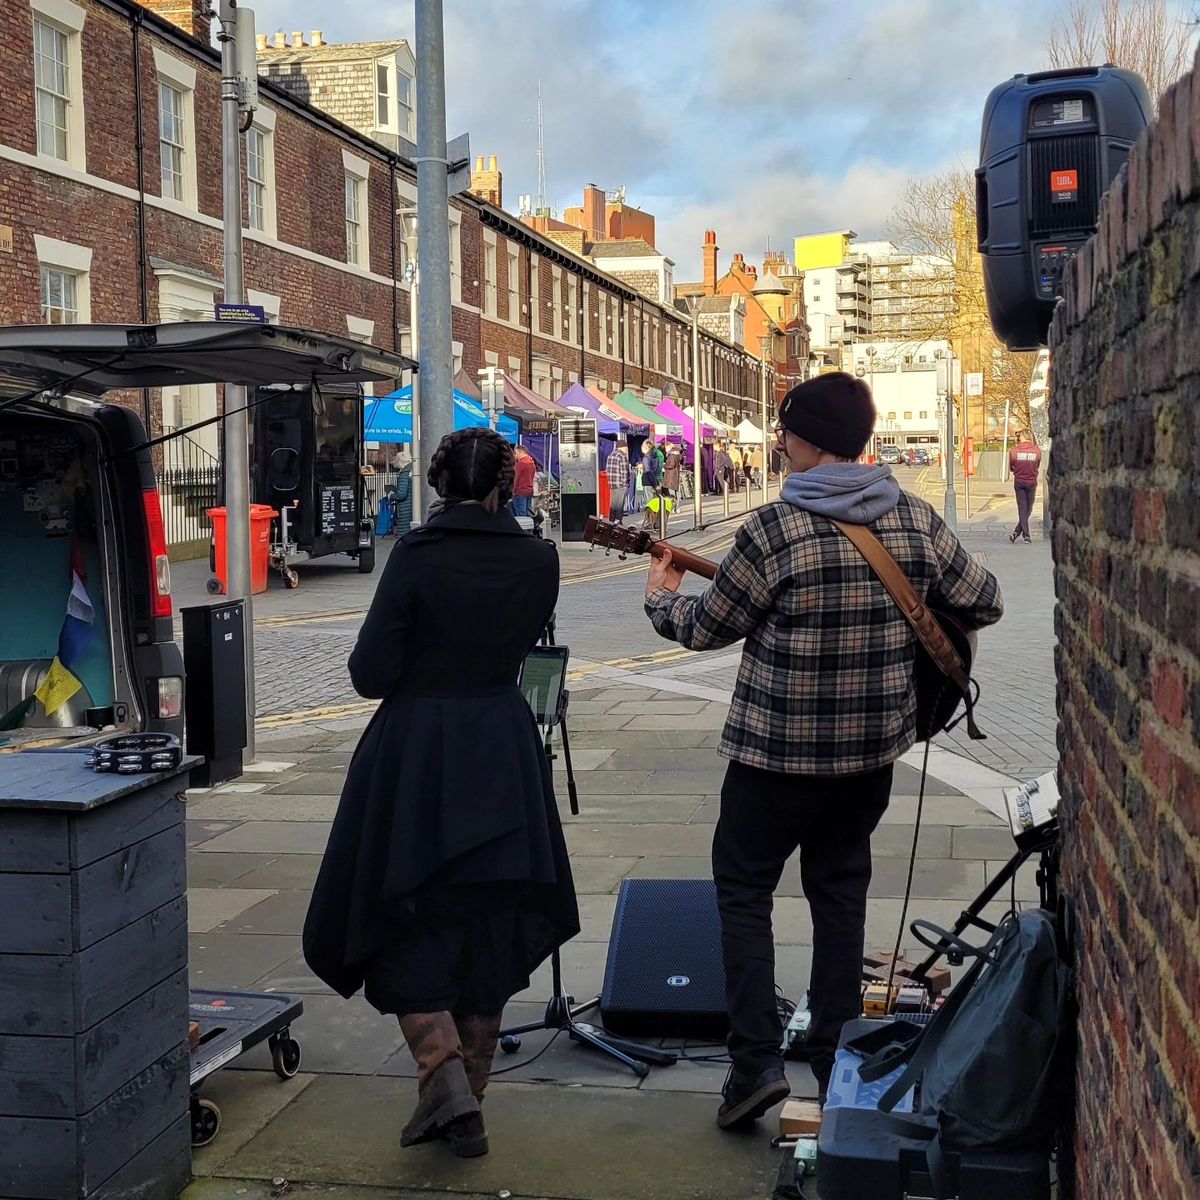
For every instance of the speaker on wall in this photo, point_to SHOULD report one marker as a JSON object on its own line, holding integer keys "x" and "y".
{"x": 664, "y": 974}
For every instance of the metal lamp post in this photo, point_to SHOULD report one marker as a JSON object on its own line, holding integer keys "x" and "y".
{"x": 871, "y": 352}
{"x": 946, "y": 386}
{"x": 697, "y": 490}
{"x": 765, "y": 341}
{"x": 412, "y": 274}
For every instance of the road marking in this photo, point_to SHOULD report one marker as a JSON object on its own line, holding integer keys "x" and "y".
{"x": 330, "y": 712}
{"x": 351, "y": 614}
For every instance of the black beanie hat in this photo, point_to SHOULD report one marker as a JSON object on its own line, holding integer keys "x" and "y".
{"x": 833, "y": 412}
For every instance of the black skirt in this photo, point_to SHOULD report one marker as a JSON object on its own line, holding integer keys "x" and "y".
{"x": 465, "y": 948}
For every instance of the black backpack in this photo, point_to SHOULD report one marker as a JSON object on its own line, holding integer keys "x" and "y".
{"x": 993, "y": 1064}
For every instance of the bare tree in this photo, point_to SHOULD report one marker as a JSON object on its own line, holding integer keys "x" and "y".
{"x": 1151, "y": 37}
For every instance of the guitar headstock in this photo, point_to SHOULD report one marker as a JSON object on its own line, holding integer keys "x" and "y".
{"x": 613, "y": 536}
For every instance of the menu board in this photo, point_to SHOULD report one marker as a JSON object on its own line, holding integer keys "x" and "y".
{"x": 339, "y": 513}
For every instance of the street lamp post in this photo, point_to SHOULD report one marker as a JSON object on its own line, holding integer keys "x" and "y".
{"x": 766, "y": 345}
{"x": 412, "y": 275}
{"x": 697, "y": 492}
{"x": 871, "y": 377}
{"x": 946, "y": 384}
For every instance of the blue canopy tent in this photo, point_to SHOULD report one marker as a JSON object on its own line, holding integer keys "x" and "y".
{"x": 389, "y": 418}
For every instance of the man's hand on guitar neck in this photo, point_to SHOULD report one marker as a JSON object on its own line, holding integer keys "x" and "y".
{"x": 663, "y": 572}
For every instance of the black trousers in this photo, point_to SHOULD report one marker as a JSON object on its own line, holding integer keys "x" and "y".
{"x": 1025, "y": 494}
{"x": 765, "y": 816}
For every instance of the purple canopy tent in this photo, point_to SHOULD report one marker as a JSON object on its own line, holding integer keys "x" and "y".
{"x": 670, "y": 411}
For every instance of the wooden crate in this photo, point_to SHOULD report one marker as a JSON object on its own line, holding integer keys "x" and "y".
{"x": 94, "y": 1055}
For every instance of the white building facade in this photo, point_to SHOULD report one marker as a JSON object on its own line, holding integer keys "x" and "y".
{"x": 903, "y": 378}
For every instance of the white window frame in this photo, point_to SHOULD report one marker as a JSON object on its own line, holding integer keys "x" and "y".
{"x": 184, "y": 296}
{"x": 361, "y": 329}
{"x": 556, "y": 302}
{"x": 455, "y": 256}
{"x": 514, "y": 368}
{"x": 490, "y": 278}
{"x": 264, "y": 124}
{"x": 359, "y": 170}
{"x": 182, "y": 79}
{"x": 404, "y": 111}
{"x": 514, "y": 283}
{"x": 70, "y": 259}
{"x": 387, "y": 94}
{"x": 535, "y": 294}
{"x": 267, "y": 302}
{"x": 68, "y": 18}
{"x": 573, "y": 309}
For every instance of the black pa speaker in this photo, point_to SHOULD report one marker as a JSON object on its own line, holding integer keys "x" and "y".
{"x": 664, "y": 974}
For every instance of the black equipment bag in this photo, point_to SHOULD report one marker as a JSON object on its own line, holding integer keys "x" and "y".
{"x": 993, "y": 1064}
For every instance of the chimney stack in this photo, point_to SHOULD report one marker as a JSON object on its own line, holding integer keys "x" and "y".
{"x": 260, "y": 42}
{"x": 488, "y": 184}
{"x": 297, "y": 40}
{"x": 593, "y": 213}
{"x": 192, "y": 16}
{"x": 318, "y": 39}
{"x": 710, "y": 262}
{"x": 280, "y": 41}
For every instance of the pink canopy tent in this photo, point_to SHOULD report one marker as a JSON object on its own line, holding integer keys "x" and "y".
{"x": 671, "y": 411}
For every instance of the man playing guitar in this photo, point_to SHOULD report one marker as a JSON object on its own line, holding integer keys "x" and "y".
{"x": 823, "y": 706}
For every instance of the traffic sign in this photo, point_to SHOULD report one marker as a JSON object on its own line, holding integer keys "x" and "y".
{"x": 974, "y": 383}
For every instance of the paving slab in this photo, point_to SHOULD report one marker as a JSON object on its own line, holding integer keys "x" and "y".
{"x": 235, "y": 960}
{"x": 278, "y": 871}
{"x": 599, "y": 874}
{"x": 248, "y": 1101}
{"x": 677, "y": 739}
{"x": 276, "y": 805}
{"x": 662, "y": 758}
{"x": 933, "y": 879}
{"x": 220, "y": 870}
{"x": 638, "y": 708}
{"x": 710, "y": 719}
{"x": 938, "y": 810}
{"x": 632, "y": 809}
{"x": 638, "y": 840}
{"x": 291, "y": 975}
{"x": 995, "y": 842}
{"x": 197, "y": 832}
{"x": 637, "y": 1146}
{"x": 279, "y": 912}
{"x": 594, "y": 722}
{"x": 271, "y": 837}
{"x": 336, "y": 1036}
{"x": 601, "y": 783}
{"x": 209, "y": 908}
{"x": 312, "y": 783}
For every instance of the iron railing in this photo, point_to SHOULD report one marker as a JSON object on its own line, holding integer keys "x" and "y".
{"x": 189, "y": 484}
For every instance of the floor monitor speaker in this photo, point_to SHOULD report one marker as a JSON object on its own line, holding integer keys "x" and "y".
{"x": 664, "y": 975}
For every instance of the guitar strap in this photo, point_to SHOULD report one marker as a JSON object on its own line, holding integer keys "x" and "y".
{"x": 918, "y": 615}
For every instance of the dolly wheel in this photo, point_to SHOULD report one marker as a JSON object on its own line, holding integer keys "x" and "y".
{"x": 285, "y": 1056}
{"x": 214, "y": 587}
{"x": 290, "y": 578}
{"x": 206, "y": 1121}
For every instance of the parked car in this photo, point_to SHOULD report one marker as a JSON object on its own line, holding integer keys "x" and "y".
{"x": 921, "y": 458}
{"x": 890, "y": 455}
{"x": 80, "y": 512}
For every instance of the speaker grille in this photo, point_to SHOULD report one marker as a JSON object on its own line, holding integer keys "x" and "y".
{"x": 1078, "y": 153}
{"x": 664, "y": 974}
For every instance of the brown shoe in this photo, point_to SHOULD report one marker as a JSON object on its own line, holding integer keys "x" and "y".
{"x": 444, "y": 1095}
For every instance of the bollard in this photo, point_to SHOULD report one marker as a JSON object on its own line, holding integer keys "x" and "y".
{"x": 725, "y": 494}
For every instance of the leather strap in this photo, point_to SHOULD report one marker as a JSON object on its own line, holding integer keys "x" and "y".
{"x": 924, "y": 623}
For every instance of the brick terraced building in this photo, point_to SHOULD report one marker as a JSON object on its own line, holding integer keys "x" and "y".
{"x": 110, "y": 211}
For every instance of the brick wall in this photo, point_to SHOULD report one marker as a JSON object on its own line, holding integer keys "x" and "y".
{"x": 1125, "y": 490}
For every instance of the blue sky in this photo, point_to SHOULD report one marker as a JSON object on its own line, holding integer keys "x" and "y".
{"x": 762, "y": 119}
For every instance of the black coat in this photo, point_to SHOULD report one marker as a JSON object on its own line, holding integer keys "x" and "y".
{"x": 450, "y": 782}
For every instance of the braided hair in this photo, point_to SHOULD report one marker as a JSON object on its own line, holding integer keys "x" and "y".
{"x": 469, "y": 463}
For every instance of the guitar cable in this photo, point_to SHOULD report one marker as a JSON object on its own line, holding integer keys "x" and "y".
{"x": 912, "y": 866}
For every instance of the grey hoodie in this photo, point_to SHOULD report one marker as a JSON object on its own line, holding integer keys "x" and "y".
{"x": 851, "y": 492}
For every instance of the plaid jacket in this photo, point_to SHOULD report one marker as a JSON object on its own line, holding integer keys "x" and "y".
{"x": 617, "y": 469}
{"x": 825, "y": 682}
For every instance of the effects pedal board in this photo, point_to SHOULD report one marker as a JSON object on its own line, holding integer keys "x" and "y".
{"x": 795, "y": 1036}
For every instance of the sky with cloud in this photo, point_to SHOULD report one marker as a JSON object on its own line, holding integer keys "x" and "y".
{"x": 762, "y": 119}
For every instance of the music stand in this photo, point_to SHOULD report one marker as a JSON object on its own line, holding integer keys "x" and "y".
{"x": 543, "y": 680}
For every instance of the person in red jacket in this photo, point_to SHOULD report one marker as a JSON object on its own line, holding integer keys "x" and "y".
{"x": 526, "y": 470}
{"x": 1024, "y": 461}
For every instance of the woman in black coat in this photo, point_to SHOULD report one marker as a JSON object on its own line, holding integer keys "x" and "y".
{"x": 446, "y": 880}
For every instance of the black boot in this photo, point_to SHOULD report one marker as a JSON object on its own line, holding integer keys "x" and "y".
{"x": 747, "y": 1097}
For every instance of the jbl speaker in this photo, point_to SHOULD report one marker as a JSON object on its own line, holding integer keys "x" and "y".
{"x": 664, "y": 974}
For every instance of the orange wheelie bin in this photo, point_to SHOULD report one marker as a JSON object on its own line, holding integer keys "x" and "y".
{"x": 261, "y": 516}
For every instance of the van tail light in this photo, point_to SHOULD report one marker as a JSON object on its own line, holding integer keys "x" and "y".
{"x": 170, "y": 697}
{"x": 160, "y": 564}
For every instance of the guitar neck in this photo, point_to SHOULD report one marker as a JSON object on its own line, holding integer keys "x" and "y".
{"x": 704, "y": 567}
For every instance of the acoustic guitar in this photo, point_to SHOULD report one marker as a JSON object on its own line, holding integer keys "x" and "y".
{"x": 945, "y": 648}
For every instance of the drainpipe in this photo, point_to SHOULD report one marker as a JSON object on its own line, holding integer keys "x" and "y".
{"x": 621, "y": 339}
{"x": 392, "y": 239}
{"x": 139, "y": 152}
{"x": 529, "y": 305}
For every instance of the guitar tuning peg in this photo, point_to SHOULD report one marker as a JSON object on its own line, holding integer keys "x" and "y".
{"x": 622, "y": 556}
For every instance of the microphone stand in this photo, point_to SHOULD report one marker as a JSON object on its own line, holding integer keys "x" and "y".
{"x": 561, "y": 1009}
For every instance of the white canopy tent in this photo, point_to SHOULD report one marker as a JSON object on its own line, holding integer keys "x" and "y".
{"x": 747, "y": 431}
{"x": 706, "y": 418}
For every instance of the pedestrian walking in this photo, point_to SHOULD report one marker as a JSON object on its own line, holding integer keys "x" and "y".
{"x": 1024, "y": 461}
{"x": 446, "y": 881}
{"x": 735, "y": 466}
{"x": 722, "y": 467}
{"x": 671, "y": 469}
{"x": 526, "y": 471}
{"x": 651, "y": 471}
{"x": 617, "y": 470}
{"x": 823, "y": 707}
{"x": 402, "y": 496}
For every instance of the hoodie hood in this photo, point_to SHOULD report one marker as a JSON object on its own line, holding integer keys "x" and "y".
{"x": 851, "y": 492}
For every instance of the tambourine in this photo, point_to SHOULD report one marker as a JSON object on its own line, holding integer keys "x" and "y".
{"x": 136, "y": 753}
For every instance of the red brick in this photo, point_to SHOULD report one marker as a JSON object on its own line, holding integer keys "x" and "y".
{"x": 1185, "y": 167}
{"x": 1137, "y": 218}
{"x": 1163, "y": 175}
{"x": 1171, "y": 692}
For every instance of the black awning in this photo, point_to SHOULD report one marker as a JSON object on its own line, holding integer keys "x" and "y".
{"x": 90, "y": 360}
